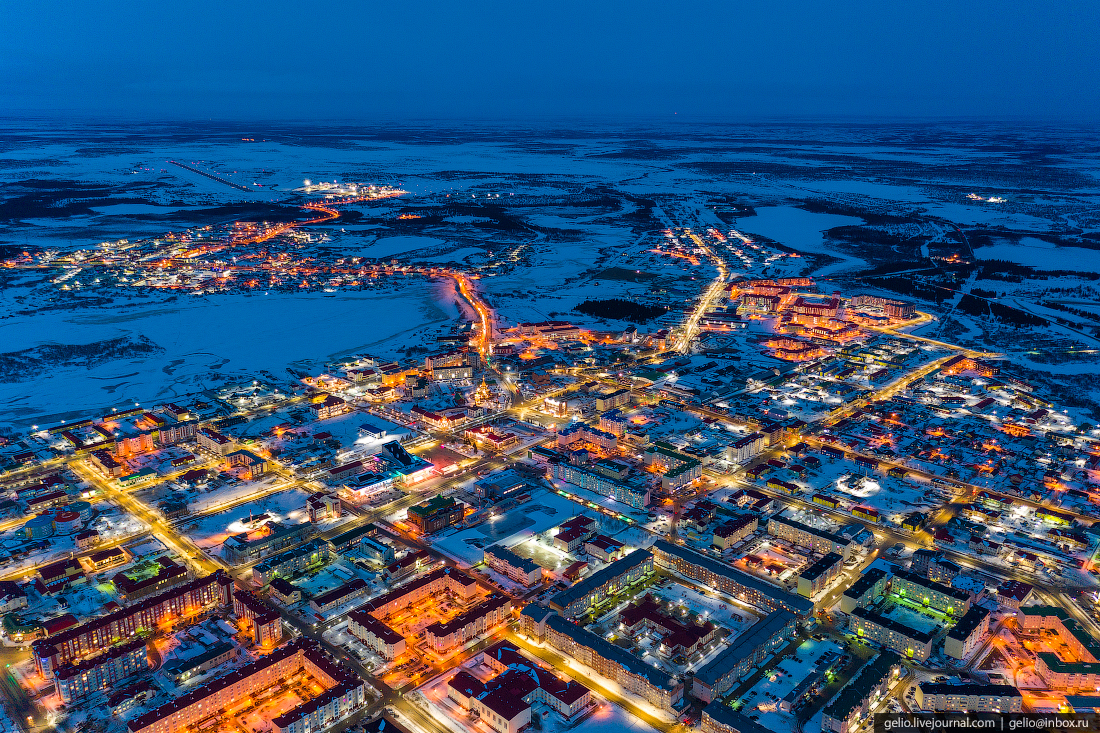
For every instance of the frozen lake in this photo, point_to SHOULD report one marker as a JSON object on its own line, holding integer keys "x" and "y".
{"x": 802, "y": 230}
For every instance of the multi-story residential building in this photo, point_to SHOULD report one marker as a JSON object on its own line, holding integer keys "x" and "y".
{"x": 345, "y": 693}
{"x": 729, "y": 533}
{"x": 80, "y": 679}
{"x": 444, "y": 579}
{"x": 504, "y": 702}
{"x": 744, "y": 449}
{"x": 721, "y": 718}
{"x": 452, "y": 373}
{"x": 435, "y": 514}
{"x": 379, "y": 637}
{"x": 941, "y": 597}
{"x": 261, "y": 620}
{"x": 803, "y": 535}
{"x": 907, "y": 641}
{"x": 213, "y": 441}
{"x": 615, "y": 663}
{"x": 177, "y": 432}
{"x": 580, "y": 432}
{"x": 520, "y": 569}
{"x": 286, "y": 564}
{"x": 1059, "y": 674}
{"x": 863, "y": 592}
{"x": 679, "y": 468}
{"x": 968, "y": 698}
{"x": 612, "y": 400}
{"x": 855, "y": 700}
{"x": 328, "y": 406}
{"x": 600, "y": 586}
{"x": 633, "y": 495}
{"x": 967, "y": 634}
{"x": 614, "y": 422}
{"x": 491, "y": 612}
{"x": 818, "y": 575}
{"x": 333, "y": 599}
{"x": 751, "y": 648}
{"x": 93, "y": 636}
{"x": 726, "y": 579}
{"x": 897, "y": 309}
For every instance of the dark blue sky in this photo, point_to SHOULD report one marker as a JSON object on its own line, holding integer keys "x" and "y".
{"x": 373, "y": 59}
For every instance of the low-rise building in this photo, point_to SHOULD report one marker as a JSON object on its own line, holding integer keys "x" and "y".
{"x": 604, "y": 548}
{"x": 435, "y": 514}
{"x": 333, "y": 599}
{"x": 504, "y": 702}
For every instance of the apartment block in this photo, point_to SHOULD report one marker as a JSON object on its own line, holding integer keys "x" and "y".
{"x": 803, "y": 535}
{"x": 726, "y": 579}
{"x": 519, "y": 569}
{"x": 598, "y": 587}
{"x": 846, "y": 711}
{"x": 818, "y": 575}
{"x": 966, "y": 635}
{"x": 909, "y": 642}
{"x": 969, "y": 698}
{"x": 749, "y": 649}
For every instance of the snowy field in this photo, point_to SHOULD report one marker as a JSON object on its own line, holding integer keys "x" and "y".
{"x": 208, "y": 532}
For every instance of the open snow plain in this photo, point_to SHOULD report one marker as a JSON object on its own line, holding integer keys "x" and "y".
{"x": 546, "y": 217}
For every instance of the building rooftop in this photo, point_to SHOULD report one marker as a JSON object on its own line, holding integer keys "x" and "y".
{"x": 607, "y": 650}
{"x": 971, "y": 620}
{"x": 743, "y": 646}
{"x": 598, "y": 579}
{"x": 859, "y": 687}
{"x": 821, "y": 567}
{"x": 793, "y": 603}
